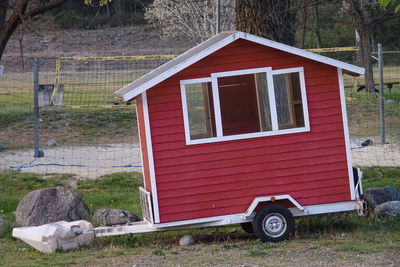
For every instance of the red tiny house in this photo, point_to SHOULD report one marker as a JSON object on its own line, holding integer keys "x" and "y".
{"x": 237, "y": 130}
{"x": 243, "y": 118}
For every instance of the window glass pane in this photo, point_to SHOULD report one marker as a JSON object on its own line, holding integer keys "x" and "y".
{"x": 263, "y": 98}
{"x": 200, "y": 115}
{"x": 282, "y": 100}
{"x": 288, "y": 100}
{"x": 239, "y": 104}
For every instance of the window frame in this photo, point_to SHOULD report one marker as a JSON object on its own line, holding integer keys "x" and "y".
{"x": 272, "y": 101}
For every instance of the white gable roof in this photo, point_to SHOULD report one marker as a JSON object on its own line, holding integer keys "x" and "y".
{"x": 210, "y": 46}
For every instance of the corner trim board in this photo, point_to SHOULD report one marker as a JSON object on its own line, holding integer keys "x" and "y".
{"x": 150, "y": 158}
{"x": 346, "y": 134}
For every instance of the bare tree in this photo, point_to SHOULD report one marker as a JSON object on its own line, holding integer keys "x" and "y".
{"x": 365, "y": 15}
{"x": 273, "y": 19}
{"x": 193, "y": 19}
{"x": 15, "y": 12}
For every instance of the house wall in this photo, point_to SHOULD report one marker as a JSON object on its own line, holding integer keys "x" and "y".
{"x": 222, "y": 178}
{"x": 143, "y": 142}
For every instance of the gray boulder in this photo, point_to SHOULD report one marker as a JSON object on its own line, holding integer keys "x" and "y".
{"x": 2, "y": 147}
{"x": 391, "y": 208}
{"x": 186, "y": 240}
{"x": 378, "y": 195}
{"x": 107, "y": 217}
{"x": 50, "y": 205}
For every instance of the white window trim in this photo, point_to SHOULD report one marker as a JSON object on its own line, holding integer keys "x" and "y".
{"x": 217, "y": 110}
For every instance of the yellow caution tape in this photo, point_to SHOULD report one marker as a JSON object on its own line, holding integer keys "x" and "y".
{"x": 334, "y": 49}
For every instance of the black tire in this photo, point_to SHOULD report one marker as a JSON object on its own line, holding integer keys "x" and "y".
{"x": 273, "y": 223}
{"x": 247, "y": 227}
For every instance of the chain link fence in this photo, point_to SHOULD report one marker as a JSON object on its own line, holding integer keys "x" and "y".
{"x": 89, "y": 133}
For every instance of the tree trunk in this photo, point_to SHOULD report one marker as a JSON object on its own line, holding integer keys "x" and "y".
{"x": 363, "y": 26}
{"x": 11, "y": 24}
{"x": 3, "y": 12}
{"x": 303, "y": 38}
{"x": 366, "y": 60}
{"x": 19, "y": 13}
{"x": 271, "y": 19}
{"x": 317, "y": 27}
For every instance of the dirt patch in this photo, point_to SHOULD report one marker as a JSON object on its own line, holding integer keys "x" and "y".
{"x": 84, "y": 161}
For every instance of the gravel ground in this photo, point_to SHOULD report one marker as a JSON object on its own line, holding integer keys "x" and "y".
{"x": 83, "y": 161}
{"x": 377, "y": 155}
{"x": 94, "y": 161}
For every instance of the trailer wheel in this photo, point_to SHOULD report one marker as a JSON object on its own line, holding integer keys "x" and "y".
{"x": 273, "y": 223}
{"x": 247, "y": 227}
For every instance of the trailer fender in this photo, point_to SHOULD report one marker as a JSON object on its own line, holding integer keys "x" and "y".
{"x": 259, "y": 200}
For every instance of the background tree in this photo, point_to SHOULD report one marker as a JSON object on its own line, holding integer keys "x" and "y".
{"x": 366, "y": 15}
{"x": 194, "y": 20}
{"x": 273, "y": 19}
{"x": 13, "y": 13}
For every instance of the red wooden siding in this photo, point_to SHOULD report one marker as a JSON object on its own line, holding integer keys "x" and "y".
{"x": 143, "y": 143}
{"x": 222, "y": 178}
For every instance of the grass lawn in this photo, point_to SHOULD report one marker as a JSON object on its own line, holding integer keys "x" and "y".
{"x": 337, "y": 239}
{"x": 68, "y": 126}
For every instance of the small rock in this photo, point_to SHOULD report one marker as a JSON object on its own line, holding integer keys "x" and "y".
{"x": 2, "y": 147}
{"x": 378, "y": 195}
{"x": 50, "y": 205}
{"x": 391, "y": 101}
{"x": 391, "y": 208}
{"x": 52, "y": 142}
{"x": 186, "y": 240}
{"x": 107, "y": 217}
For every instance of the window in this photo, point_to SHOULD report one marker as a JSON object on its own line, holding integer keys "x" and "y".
{"x": 288, "y": 100}
{"x": 244, "y": 104}
{"x": 199, "y": 103}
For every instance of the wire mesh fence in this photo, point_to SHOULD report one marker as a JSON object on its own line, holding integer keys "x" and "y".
{"x": 369, "y": 146}
{"x": 89, "y": 133}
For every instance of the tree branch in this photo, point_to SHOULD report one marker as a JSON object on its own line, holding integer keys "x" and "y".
{"x": 44, "y": 8}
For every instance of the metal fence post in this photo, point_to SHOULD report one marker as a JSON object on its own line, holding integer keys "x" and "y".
{"x": 36, "y": 113}
{"x": 382, "y": 93}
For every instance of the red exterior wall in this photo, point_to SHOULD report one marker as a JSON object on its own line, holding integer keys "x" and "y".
{"x": 222, "y": 178}
{"x": 143, "y": 143}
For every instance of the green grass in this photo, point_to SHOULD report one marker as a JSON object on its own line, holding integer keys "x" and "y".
{"x": 381, "y": 176}
{"x": 344, "y": 234}
{"x": 90, "y": 122}
{"x": 118, "y": 190}
{"x": 68, "y": 126}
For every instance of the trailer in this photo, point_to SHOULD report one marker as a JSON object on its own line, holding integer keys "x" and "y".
{"x": 242, "y": 130}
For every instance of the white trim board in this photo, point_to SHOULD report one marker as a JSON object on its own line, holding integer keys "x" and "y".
{"x": 210, "y": 46}
{"x": 150, "y": 158}
{"x": 346, "y": 134}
